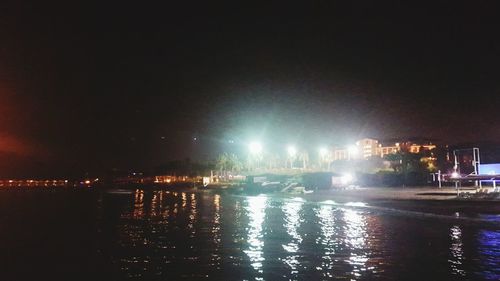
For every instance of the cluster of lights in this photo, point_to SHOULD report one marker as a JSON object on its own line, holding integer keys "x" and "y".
{"x": 256, "y": 148}
{"x": 32, "y": 183}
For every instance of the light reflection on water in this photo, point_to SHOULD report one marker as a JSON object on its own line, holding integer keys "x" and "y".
{"x": 139, "y": 204}
{"x": 173, "y": 235}
{"x": 456, "y": 251}
{"x": 256, "y": 213}
{"x": 355, "y": 240}
{"x": 291, "y": 210}
{"x": 216, "y": 232}
{"x": 328, "y": 239}
{"x": 192, "y": 214}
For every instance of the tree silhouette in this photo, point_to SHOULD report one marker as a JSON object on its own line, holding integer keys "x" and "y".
{"x": 407, "y": 163}
{"x": 228, "y": 162}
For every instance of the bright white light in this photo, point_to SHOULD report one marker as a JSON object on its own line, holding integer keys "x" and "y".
{"x": 323, "y": 152}
{"x": 292, "y": 151}
{"x": 255, "y": 147}
{"x": 346, "y": 179}
{"x": 455, "y": 175}
{"x": 353, "y": 149}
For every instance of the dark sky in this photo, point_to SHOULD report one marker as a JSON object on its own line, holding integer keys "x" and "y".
{"x": 91, "y": 86}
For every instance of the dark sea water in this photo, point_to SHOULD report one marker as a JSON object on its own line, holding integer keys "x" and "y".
{"x": 175, "y": 235}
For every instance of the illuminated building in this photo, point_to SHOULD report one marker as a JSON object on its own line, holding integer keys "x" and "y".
{"x": 367, "y": 148}
{"x": 340, "y": 154}
{"x": 388, "y": 149}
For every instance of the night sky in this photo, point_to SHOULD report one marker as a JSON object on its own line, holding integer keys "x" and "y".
{"x": 94, "y": 86}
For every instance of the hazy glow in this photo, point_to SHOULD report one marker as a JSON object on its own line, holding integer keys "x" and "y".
{"x": 292, "y": 151}
{"x": 323, "y": 152}
{"x": 346, "y": 179}
{"x": 353, "y": 149}
{"x": 255, "y": 147}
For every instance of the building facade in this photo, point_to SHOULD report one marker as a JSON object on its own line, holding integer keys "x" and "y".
{"x": 368, "y": 148}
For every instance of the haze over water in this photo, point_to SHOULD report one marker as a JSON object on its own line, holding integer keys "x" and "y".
{"x": 169, "y": 235}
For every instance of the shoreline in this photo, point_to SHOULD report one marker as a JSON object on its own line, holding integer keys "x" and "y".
{"x": 392, "y": 193}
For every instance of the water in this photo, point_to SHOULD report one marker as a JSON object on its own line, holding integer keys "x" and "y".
{"x": 168, "y": 235}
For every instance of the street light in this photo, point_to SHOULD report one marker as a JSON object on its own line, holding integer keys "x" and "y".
{"x": 255, "y": 147}
{"x": 323, "y": 152}
{"x": 255, "y": 154}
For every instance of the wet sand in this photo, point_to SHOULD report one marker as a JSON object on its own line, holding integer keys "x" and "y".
{"x": 385, "y": 193}
{"x": 425, "y": 199}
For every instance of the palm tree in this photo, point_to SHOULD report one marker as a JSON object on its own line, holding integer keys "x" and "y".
{"x": 234, "y": 163}
{"x": 228, "y": 162}
{"x": 405, "y": 162}
{"x": 304, "y": 157}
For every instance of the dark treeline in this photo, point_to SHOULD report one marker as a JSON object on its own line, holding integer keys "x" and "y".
{"x": 185, "y": 167}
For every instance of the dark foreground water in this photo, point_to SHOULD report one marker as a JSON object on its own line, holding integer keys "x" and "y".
{"x": 167, "y": 235}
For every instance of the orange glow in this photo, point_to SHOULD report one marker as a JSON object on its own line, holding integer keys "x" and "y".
{"x": 33, "y": 183}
